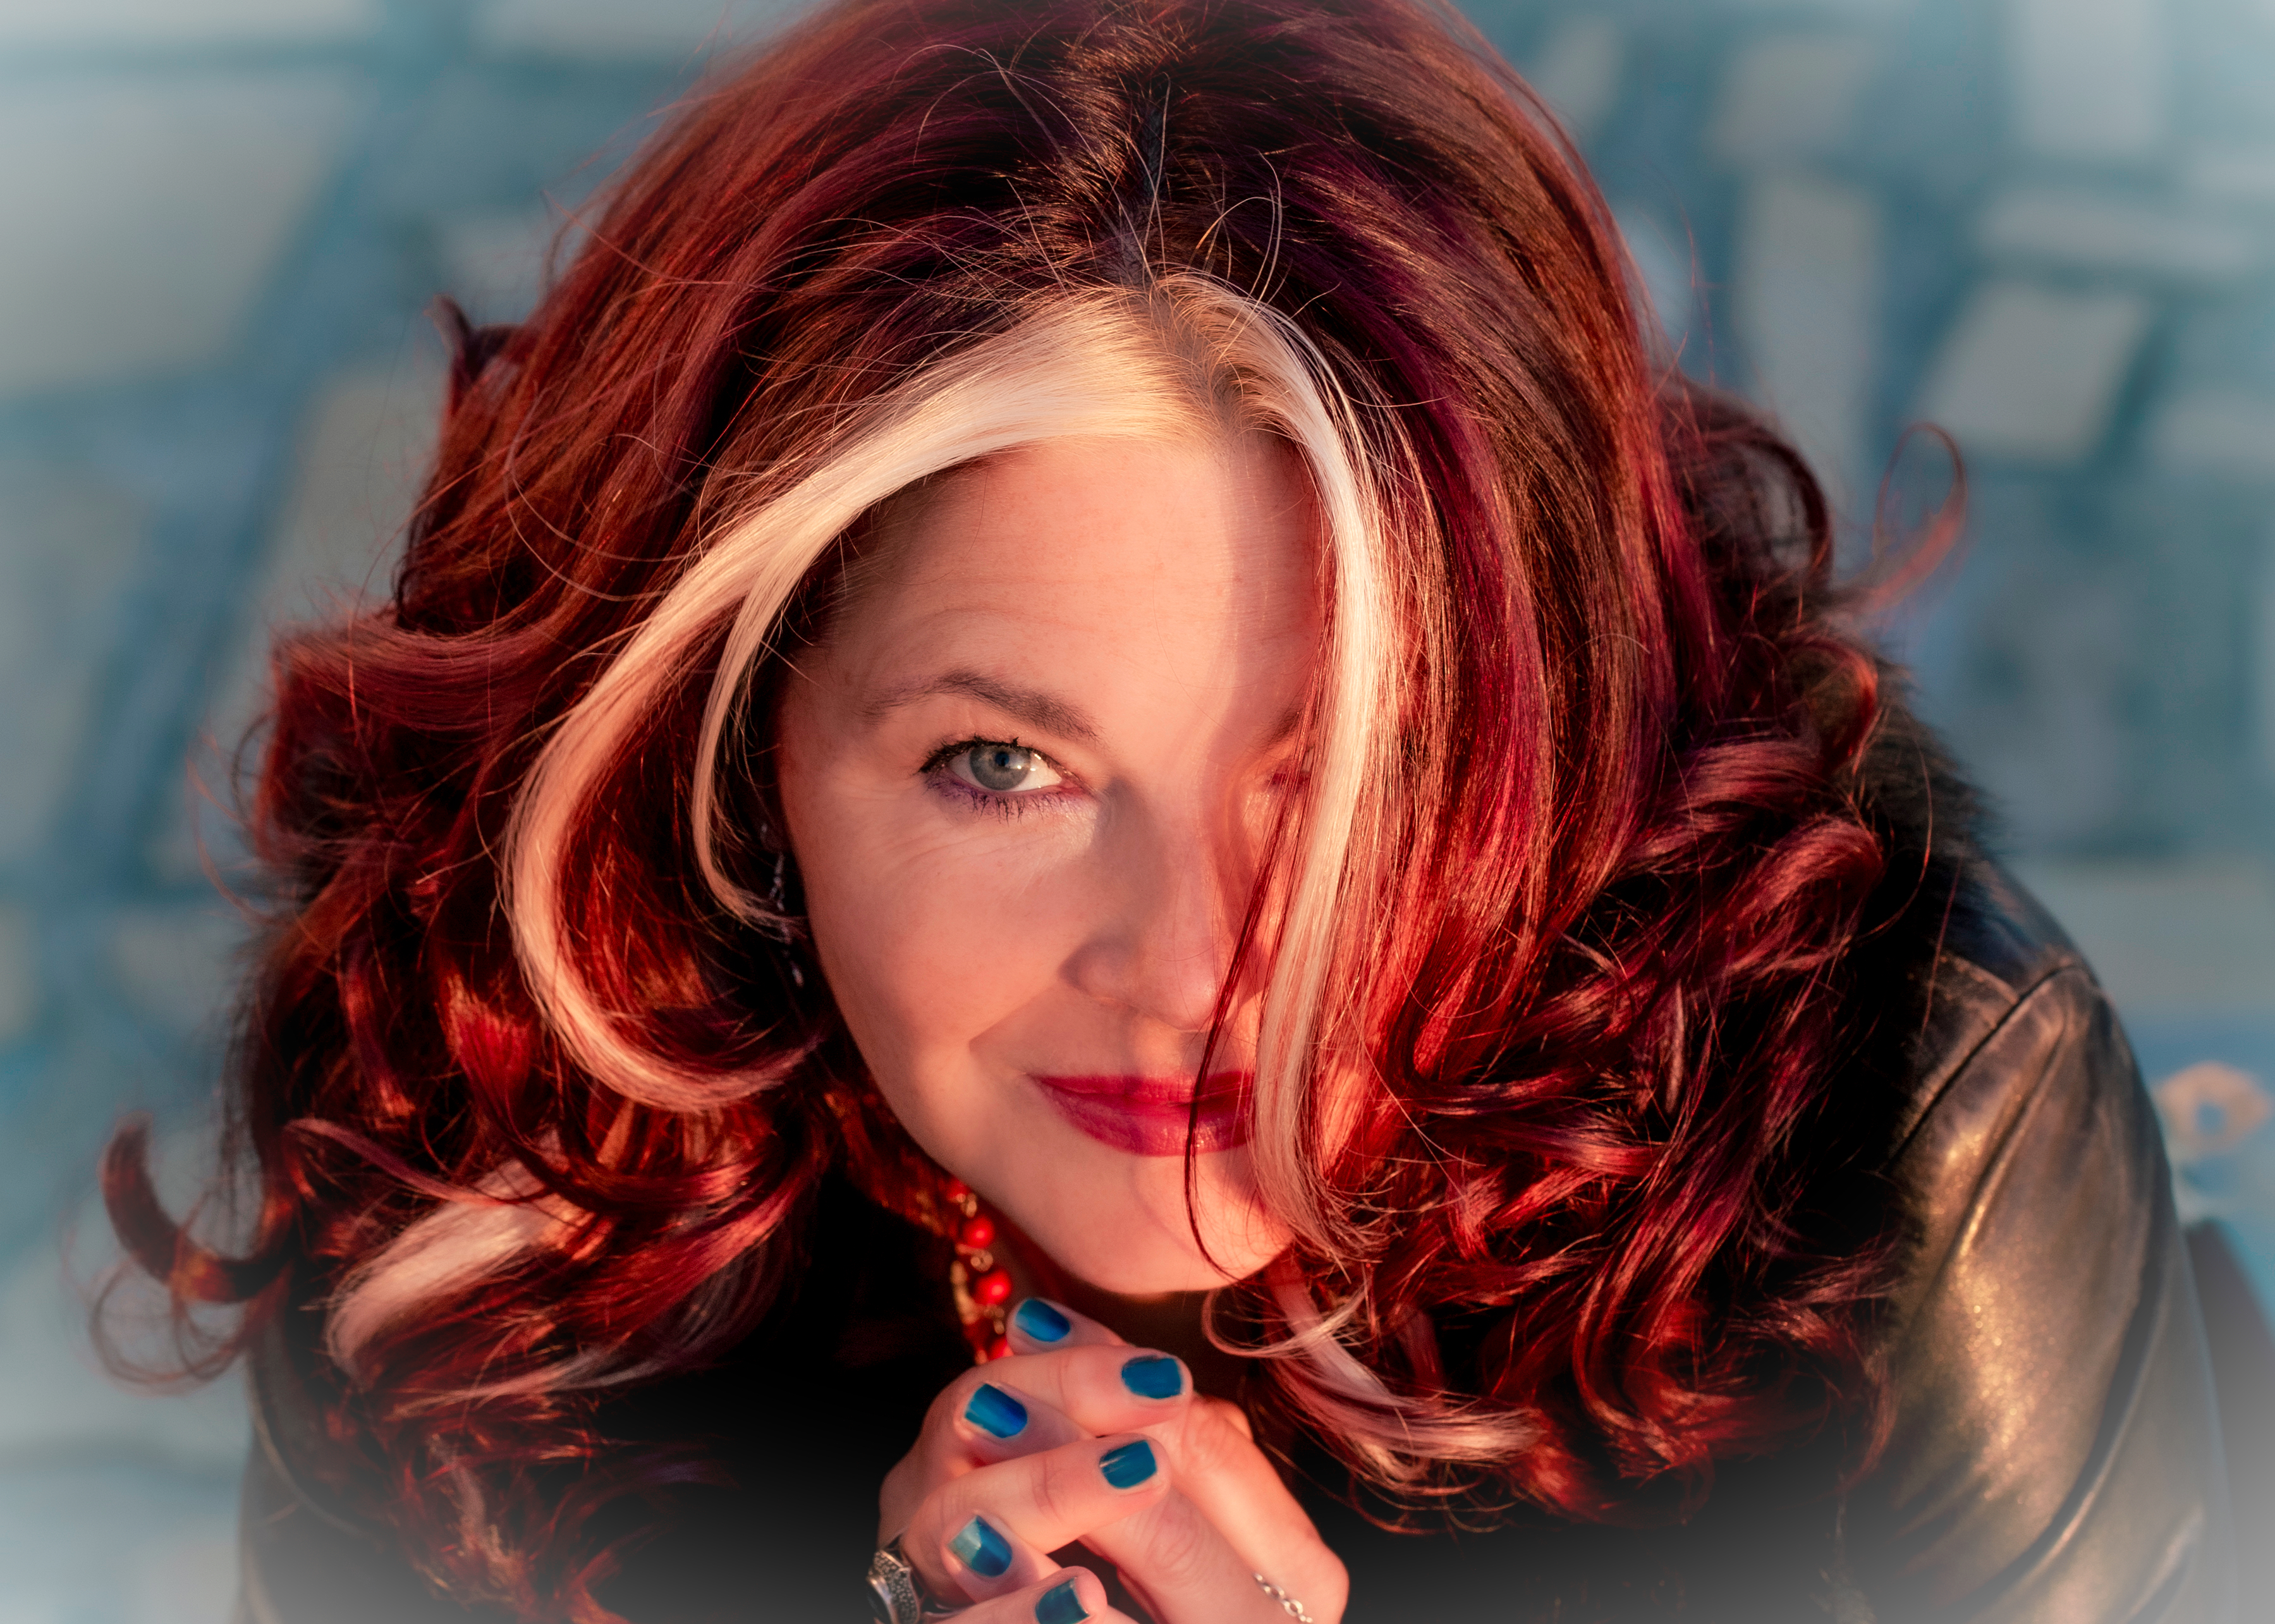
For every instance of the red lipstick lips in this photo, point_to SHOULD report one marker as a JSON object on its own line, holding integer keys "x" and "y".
{"x": 1152, "y": 1116}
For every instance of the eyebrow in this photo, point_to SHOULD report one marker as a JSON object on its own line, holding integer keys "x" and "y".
{"x": 1029, "y": 705}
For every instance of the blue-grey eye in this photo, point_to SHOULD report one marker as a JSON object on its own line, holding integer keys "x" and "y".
{"x": 1002, "y": 769}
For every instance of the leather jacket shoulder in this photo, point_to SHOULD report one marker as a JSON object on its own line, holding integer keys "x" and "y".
{"x": 2055, "y": 1454}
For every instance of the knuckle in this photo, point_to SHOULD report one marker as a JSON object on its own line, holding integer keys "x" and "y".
{"x": 1334, "y": 1584}
{"x": 1325, "y": 1581}
{"x": 1211, "y": 1441}
{"x": 1180, "y": 1544}
{"x": 1098, "y": 1369}
{"x": 1320, "y": 1570}
{"x": 1230, "y": 1414}
{"x": 1061, "y": 1485}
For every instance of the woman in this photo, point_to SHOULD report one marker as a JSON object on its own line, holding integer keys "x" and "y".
{"x": 1083, "y": 660}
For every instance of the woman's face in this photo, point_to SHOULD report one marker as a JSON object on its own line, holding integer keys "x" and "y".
{"x": 1028, "y": 778}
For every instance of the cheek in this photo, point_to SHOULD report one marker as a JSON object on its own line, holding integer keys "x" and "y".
{"x": 915, "y": 970}
{"x": 932, "y": 930}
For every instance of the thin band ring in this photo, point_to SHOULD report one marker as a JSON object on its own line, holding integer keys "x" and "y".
{"x": 1288, "y": 1604}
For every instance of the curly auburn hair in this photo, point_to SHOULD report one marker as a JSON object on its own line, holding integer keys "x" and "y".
{"x": 532, "y": 1084}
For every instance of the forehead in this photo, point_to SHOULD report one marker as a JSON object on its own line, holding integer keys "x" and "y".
{"x": 1075, "y": 527}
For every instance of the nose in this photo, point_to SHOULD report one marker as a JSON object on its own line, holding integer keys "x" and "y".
{"x": 1164, "y": 944}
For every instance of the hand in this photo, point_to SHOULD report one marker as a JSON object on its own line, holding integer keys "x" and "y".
{"x": 1079, "y": 1437}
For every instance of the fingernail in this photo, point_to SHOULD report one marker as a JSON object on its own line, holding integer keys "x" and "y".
{"x": 1060, "y": 1605}
{"x": 1153, "y": 1376}
{"x": 1128, "y": 1465}
{"x": 1043, "y": 1322}
{"x": 983, "y": 1551}
{"x": 996, "y": 1412}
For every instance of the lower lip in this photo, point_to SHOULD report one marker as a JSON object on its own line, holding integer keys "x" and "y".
{"x": 1145, "y": 1116}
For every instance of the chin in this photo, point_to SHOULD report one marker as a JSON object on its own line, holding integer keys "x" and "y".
{"x": 1116, "y": 1221}
{"x": 1123, "y": 1275}
{"x": 1146, "y": 1248}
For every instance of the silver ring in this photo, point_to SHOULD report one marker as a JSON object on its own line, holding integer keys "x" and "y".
{"x": 1288, "y": 1604}
{"x": 897, "y": 1593}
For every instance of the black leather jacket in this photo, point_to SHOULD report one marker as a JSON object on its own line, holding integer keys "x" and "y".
{"x": 2057, "y": 1453}
{"x": 2055, "y": 1457}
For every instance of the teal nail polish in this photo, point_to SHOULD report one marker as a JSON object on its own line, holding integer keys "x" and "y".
{"x": 996, "y": 1412}
{"x": 1041, "y": 1320}
{"x": 1060, "y": 1605}
{"x": 981, "y": 1549}
{"x": 1153, "y": 1376}
{"x": 1128, "y": 1465}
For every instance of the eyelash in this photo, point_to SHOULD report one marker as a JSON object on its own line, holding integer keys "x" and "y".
{"x": 935, "y": 769}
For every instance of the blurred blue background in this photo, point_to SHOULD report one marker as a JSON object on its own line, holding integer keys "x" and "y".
{"x": 2048, "y": 226}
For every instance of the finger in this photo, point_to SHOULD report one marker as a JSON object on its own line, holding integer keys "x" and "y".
{"x": 1000, "y": 1419}
{"x": 980, "y": 1418}
{"x": 1100, "y": 1387}
{"x": 1031, "y": 1505}
{"x": 983, "y": 1559}
{"x": 1221, "y": 1470}
{"x": 1176, "y": 1561}
{"x": 1238, "y": 1417}
{"x": 1039, "y": 1325}
{"x": 1210, "y": 1439}
{"x": 1070, "y": 1596}
{"x": 1028, "y": 1403}
{"x": 1107, "y": 1387}
{"x": 976, "y": 1421}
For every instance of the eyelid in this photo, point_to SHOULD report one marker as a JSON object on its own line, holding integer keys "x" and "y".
{"x": 947, "y": 752}
{"x": 942, "y": 762}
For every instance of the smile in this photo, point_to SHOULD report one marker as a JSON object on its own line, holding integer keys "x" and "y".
{"x": 1153, "y": 1117}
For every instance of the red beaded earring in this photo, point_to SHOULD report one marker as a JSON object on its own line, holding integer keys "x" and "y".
{"x": 981, "y": 1284}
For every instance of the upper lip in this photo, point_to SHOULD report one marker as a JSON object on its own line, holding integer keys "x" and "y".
{"x": 1223, "y": 1092}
